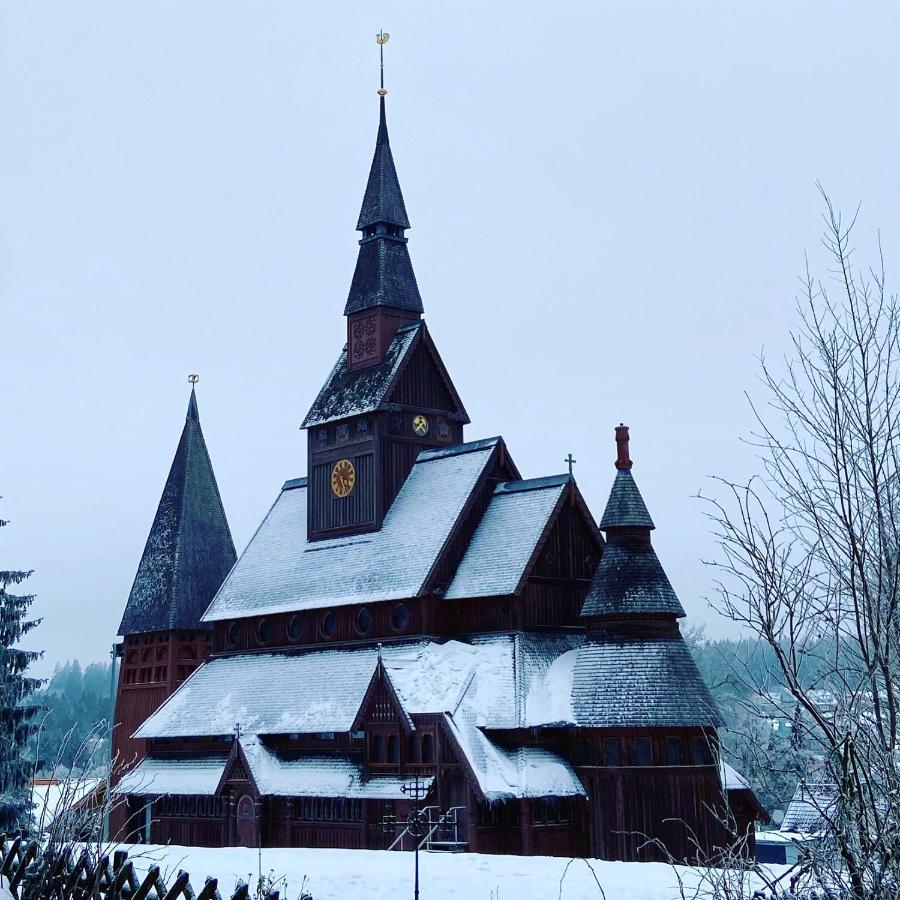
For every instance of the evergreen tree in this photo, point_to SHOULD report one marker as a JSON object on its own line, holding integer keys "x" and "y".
{"x": 16, "y": 712}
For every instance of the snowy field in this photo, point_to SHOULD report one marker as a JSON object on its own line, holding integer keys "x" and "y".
{"x": 379, "y": 875}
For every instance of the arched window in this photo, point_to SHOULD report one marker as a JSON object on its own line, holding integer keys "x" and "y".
{"x": 264, "y": 632}
{"x": 400, "y": 616}
{"x": 428, "y": 748}
{"x": 329, "y": 624}
{"x": 295, "y": 628}
{"x": 393, "y": 749}
{"x": 364, "y": 621}
{"x": 234, "y": 633}
{"x": 378, "y": 748}
{"x": 412, "y": 748}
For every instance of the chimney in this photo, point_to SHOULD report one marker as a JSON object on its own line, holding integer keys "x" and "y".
{"x": 623, "y": 460}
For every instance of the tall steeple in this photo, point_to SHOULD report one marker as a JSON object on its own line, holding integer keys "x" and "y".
{"x": 189, "y": 550}
{"x": 384, "y": 276}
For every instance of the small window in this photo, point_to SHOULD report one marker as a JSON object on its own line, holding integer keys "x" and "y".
{"x": 329, "y": 624}
{"x": 295, "y": 628}
{"x": 364, "y": 621}
{"x": 400, "y": 616}
{"x": 264, "y": 631}
{"x": 612, "y": 753}
{"x": 643, "y": 752}
{"x": 700, "y": 752}
{"x": 378, "y": 748}
{"x": 428, "y": 748}
{"x": 234, "y": 633}
{"x": 673, "y": 751}
{"x": 393, "y": 749}
{"x": 412, "y": 748}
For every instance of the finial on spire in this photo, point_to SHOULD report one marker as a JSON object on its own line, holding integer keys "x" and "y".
{"x": 571, "y": 462}
{"x": 193, "y": 412}
{"x": 382, "y": 38}
{"x": 623, "y": 459}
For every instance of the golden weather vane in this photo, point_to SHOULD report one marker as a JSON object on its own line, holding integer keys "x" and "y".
{"x": 382, "y": 38}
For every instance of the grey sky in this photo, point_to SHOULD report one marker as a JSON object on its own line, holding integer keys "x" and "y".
{"x": 610, "y": 204}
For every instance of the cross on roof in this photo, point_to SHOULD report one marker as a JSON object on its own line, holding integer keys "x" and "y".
{"x": 571, "y": 461}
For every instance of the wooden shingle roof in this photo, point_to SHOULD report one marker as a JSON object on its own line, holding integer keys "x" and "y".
{"x": 189, "y": 550}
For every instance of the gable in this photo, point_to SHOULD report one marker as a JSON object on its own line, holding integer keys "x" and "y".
{"x": 422, "y": 381}
{"x": 381, "y": 704}
{"x": 535, "y": 527}
{"x": 572, "y": 546}
{"x": 237, "y": 768}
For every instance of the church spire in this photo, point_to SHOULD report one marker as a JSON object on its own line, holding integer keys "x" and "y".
{"x": 384, "y": 274}
{"x": 383, "y": 200}
{"x": 189, "y": 550}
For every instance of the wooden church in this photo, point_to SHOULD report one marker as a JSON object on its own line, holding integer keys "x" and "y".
{"x": 418, "y": 645}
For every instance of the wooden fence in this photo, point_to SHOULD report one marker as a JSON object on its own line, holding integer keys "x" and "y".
{"x": 30, "y": 873}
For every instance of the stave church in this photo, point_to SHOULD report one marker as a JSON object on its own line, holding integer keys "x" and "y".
{"x": 419, "y": 646}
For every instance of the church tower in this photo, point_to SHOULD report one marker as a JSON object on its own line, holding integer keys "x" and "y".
{"x": 389, "y": 396}
{"x": 188, "y": 553}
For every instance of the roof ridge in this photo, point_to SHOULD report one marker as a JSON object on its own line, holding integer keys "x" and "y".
{"x": 458, "y": 449}
{"x": 532, "y": 484}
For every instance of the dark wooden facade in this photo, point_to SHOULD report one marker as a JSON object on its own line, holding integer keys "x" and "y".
{"x": 646, "y": 787}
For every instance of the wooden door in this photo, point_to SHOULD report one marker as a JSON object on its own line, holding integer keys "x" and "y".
{"x": 246, "y": 822}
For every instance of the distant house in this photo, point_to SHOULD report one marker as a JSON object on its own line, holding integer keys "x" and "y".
{"x": 803, "y": 823}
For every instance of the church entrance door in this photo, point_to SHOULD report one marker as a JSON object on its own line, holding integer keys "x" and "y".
{"x": 246, "y": 822}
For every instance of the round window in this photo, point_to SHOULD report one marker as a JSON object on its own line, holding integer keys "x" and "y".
{"x": 364, "y": 621}
{"x": 295, "y": 628}
{"x": 264, "y": 632}
{"x": 329, "y": 624}
{"x": 234, "y": 633}
{"x": 400, "y": 616}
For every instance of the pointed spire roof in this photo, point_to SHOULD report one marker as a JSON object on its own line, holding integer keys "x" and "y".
{"x": 625, "y": 507}
{"x": 384, "y": 274}
{"x": 189, "y": 550}
{"x": 383, "y": 199}
{"x": 630, "y": 579}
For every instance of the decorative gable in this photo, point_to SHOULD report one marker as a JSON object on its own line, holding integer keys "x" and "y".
{"x": 381, "y": 705}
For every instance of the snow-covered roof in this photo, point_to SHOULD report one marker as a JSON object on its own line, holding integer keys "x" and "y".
{"x": 507, "y": 773}
{"x": 269, "y": 693}
{"x": 280, "y": 571}
{"x": 626, "y": 680}
{"x": 322, "y": 690}
{"x": 52, "y": 798}
{"x": 732, "y": 780}
{"x": 317, "y": 775}
{"x": 506, "y": 537}
{"x": 347, "y": 393}
{"x": 810, "y": 806}
{"x": 155, "y": 777}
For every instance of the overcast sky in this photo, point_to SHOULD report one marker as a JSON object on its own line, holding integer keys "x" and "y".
{"x": 610, "y": 206}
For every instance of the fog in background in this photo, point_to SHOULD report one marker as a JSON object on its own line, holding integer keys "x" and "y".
{"x": 610, "y": 206}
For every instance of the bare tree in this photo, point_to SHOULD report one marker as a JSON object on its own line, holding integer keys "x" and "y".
{"x": 809, "y": 560}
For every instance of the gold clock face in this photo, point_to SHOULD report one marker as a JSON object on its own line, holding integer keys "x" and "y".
{"x": 420, "y": 426}
{"x": 343, "y": 478}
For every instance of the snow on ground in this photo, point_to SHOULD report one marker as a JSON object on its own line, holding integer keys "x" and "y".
{"x": 380, "y": 875}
